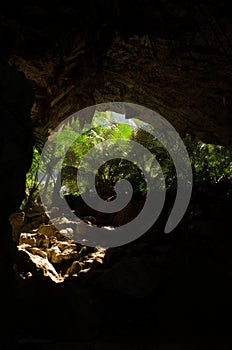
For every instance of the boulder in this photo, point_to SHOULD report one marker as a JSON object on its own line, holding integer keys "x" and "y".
{"x": 35, "y": 264}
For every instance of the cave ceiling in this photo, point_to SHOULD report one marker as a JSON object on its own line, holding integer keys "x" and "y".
{"x": 174, "y": 57}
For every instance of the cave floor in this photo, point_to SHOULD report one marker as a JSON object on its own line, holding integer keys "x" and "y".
{"x": 133, "y": 344}
{"x": 167, "y": 294}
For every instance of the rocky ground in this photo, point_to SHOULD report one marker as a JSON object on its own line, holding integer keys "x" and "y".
{"x": 163, "y": 287}
{"x": 42, "y": 249}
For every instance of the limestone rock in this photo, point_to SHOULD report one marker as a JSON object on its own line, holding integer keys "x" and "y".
{"x": 28, "y": 227}
{"x": 48, "y": 230}
{"x": 75, "y": 268}
{"x": 70, "y": 253}
{"x": 35, "y": 264}
{"x": 17, "y": 221}
{"x": 53, "y": 240}
{"x": 37, "y": 251}
{"x": 84, "y": 271}
{"x": 55, "y": 255}
{"x": 42, "y": 241}
{"x": 67, "y": 232}
{"x": 194, "y": 59}
{"x": 63, "y": 245}
{"x": 35, "y": 212}
{"x": 28, "y": 238}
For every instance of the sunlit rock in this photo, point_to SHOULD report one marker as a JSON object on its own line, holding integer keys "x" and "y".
{"x": 35, "y": 264}
{"x": 42, "y": 241}
{"x": 47, "y": 230}
{"x": 28, "y": 238}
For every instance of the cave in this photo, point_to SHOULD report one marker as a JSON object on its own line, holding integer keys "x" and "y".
{"x": 160, "y": 291}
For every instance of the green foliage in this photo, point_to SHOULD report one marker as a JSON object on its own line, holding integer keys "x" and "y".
{"x": 146, "y": 139}
{"x": 102, "y": 129}
{"x": 116, "y": 169}
{"x": 210, "y": 163}
{"x": 31, "y": 188}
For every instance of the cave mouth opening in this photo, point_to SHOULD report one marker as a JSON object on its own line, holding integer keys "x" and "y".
{"x": 62, "y": 257}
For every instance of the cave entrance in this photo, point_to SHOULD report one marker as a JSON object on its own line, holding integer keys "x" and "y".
{"x": 61, "y": 256}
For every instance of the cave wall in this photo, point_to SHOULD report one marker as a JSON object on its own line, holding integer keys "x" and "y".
{"x": 16, "y": 142}
{"x": 173, "y": 57}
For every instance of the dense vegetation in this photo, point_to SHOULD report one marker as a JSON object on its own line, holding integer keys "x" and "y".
{"x": 210, "y": 163}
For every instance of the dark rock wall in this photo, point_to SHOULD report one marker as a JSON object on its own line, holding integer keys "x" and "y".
{"x": 174, "y": 57}
{"x": 16, "y": 142}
